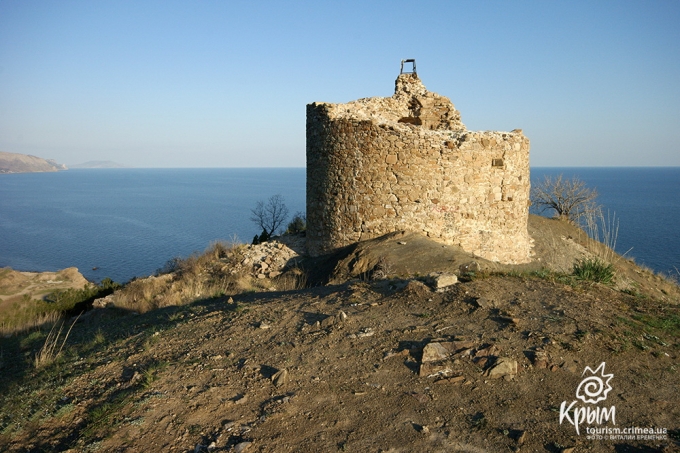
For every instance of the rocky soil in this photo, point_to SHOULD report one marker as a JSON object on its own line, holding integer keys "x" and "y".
{"x": 378, "y": 359}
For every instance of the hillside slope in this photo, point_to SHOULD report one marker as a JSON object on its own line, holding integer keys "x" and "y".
{"x": 22, "y": 163}
{"x": 373, "y": 364}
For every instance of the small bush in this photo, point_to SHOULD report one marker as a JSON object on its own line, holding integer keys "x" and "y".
{"x": 170, "y": 266}
{"x": 219, "y": 249}
{"x": 264, "y": 237}
{"x": 298, "y": 224}
{"x": 594, "y": 270}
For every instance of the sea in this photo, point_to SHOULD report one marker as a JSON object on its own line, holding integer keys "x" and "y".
{"x": 127, "y": 223}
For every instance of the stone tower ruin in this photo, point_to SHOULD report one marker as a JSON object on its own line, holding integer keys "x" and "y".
{"x": 378, "y": 165}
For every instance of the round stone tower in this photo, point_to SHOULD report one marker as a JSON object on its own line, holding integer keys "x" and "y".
{"x": 407, "y": 162}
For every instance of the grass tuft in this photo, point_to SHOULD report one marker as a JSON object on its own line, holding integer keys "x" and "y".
{"x": 49, "y": 352}
{"x": 594, "y": 270}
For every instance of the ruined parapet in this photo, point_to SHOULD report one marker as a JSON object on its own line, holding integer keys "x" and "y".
{"x": 407, "y": 162}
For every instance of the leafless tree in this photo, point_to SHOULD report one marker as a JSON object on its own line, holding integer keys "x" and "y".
{"x": 270, "y": 216}
{"x": 570, "y": 199}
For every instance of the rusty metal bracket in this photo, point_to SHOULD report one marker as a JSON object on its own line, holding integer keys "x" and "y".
{"x": 410, "y": 60}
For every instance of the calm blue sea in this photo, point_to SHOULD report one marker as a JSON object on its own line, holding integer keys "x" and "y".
{"x": 129, "y": 222}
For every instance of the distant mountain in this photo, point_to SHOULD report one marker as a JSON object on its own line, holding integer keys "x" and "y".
{"x": 22, "y": 163}
{"x": 99, "y": 164}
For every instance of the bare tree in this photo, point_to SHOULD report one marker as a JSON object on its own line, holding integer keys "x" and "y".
{"x": 270, "y": 216}
{"x": 570, "y": 199}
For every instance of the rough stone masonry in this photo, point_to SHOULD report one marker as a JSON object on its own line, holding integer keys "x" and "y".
{"x": 407, "y": 162}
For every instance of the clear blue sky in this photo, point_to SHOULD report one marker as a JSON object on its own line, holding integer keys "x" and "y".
{"x": 225, "y": 83}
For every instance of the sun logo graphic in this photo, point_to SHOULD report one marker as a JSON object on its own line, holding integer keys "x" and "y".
{"x": 594, "y": 388}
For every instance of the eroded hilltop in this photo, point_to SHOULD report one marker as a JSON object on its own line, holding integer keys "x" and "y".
{"x": 378, "y": 360}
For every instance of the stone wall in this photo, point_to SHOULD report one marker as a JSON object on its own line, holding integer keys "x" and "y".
{"x": 378, "y": 165}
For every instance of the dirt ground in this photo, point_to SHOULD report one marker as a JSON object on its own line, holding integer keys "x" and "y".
{"x": 367, "y": 363}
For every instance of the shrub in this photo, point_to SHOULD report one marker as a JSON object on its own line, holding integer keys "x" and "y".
{"x": 264, "y": 237}
{"x": 382, "y": 269}
{"x": 170, "y": 266}
{"x": 298, "y": 224}
{"x": 594, "y": 270}
{"x": 219, "y": 249}
{"x": 71, "y": 299}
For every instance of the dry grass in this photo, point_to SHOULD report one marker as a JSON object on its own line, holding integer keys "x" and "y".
{"x": 673, "y": 278}
{"x": 26, "y": 312}
{"x": 292, "y": 280}
{"x": 27, "y": 320}
{"x": 604, "y": 230}
{"x": 210, "y": 274}
{"x": 49, "y": 352}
